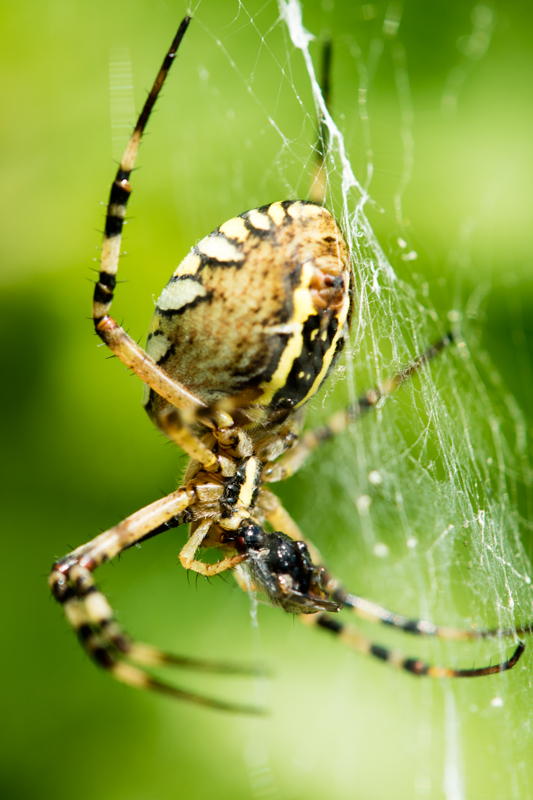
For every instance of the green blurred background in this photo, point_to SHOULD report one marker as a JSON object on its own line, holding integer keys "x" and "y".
{"x": 79, "y": 452}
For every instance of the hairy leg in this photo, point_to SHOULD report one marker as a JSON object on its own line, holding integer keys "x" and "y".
{"x": 281, "y": 520}
{"x": 357, "y": 641}
{"x": 188, "y": 552}
{"x": 107, "y": 329}
{"x": 90, "y": 615}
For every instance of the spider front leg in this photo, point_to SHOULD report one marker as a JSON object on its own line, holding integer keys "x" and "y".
{"x": 114, "y": 336}
{"x": 90, "y": 615}
{"x": 280, "y": 519}
{"x": 350, "y": 636}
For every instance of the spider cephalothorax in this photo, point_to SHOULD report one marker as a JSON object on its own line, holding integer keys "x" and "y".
{"x": 244, "y": 333}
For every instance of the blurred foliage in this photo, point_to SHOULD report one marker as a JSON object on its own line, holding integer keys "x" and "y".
{"x": 79, "y": 453}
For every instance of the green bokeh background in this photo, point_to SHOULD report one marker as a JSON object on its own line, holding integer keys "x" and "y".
{"x": 79, "y": 453}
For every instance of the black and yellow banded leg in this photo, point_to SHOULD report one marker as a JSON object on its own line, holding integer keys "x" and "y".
{"x": 281, "y": 520}
{"x": 141, "y": 525}
{"x": 107, "y": 329}
{"x": 372, "y": 612}
{"x": 90, "y": 615}
{"x": 291, "y": 461}
{"x": 121, "y": 190}
{"x": 351, "y": 637}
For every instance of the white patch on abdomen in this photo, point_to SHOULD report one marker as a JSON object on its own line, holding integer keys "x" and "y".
{"x": 219, "y": 248}
{"x": 157, "y": 347}
{"x": 180, "y": 293}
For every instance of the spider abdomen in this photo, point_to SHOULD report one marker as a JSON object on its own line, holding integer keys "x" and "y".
{"x": 257, "y": 309}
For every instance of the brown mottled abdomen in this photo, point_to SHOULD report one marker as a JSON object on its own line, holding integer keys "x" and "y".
{"x": 260, "y": 306}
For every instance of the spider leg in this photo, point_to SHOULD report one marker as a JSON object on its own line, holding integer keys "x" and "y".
{"x": 308, "y": 599}
{"x": 170, "y": 423}
{"x": 354, "y": 639}
{"x": 115, "y": 337}
{"x": 90, "y": 615}
{"x": 372, "y": 612}
{"x": 289, "y": 463}
{"x": 280, "y": 519}
{"x": 188, "y": 551}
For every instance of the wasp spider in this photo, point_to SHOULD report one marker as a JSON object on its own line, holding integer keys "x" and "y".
{"x": 245, "y": 332}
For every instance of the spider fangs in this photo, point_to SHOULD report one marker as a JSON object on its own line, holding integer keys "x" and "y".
{"x": 244, "y": 333}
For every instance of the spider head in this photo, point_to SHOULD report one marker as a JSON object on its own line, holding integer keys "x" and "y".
{"x": 283, "y": 570}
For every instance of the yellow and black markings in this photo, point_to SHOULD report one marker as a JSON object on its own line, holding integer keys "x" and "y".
{"x": 244, "y": 333}
{"x": 260, "y": 307}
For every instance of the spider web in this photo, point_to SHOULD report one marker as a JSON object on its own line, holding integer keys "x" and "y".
{"x": 423, "y": 505}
